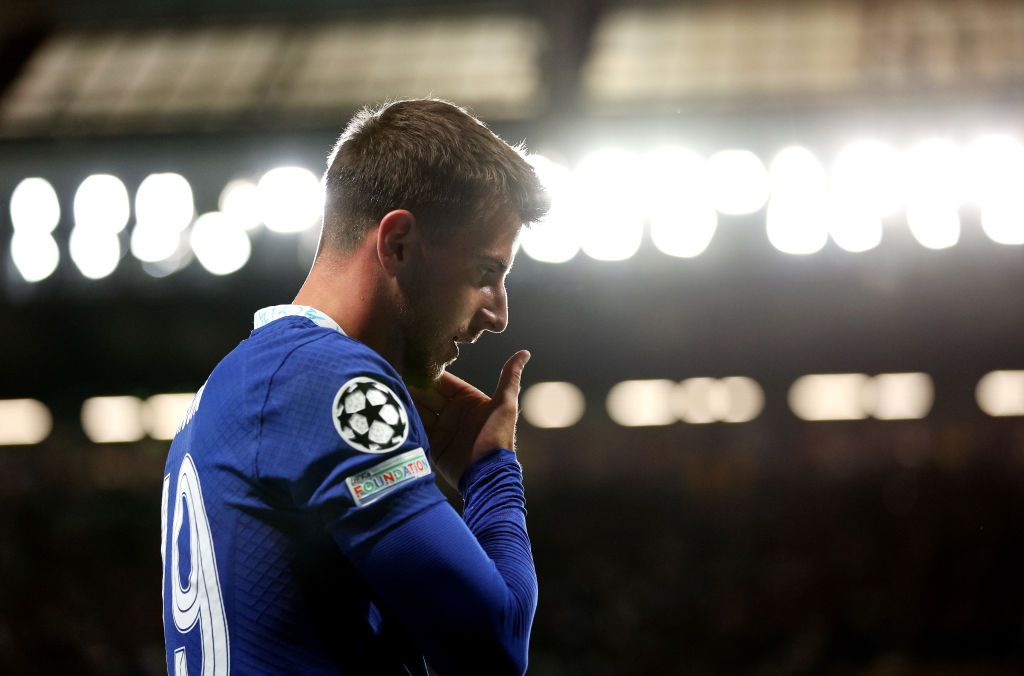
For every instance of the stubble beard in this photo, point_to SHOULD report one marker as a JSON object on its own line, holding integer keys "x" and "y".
{"x": 424, "y": 343}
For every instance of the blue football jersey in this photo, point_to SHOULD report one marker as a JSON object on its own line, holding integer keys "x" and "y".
{"x": 302, "y": 447}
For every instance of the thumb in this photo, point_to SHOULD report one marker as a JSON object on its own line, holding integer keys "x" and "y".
{"x": 511, "y": 377}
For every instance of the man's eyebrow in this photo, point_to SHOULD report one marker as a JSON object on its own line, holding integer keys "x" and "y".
{"x": 500, "y": 264}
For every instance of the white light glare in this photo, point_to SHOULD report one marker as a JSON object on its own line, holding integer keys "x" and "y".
{"x": 291, "y": 199}
{"x": 164, "y": 201}
{"x": 704, "y": 400}
{"x": 683, "y": 221}
{"x": 35, "y": 254}
{"x": 94, "y": 251}
{"x": 935, "y": 186}
{"x": 34, "y": 207}
{"x": 1001, "y": 393}
{"x": 798, "y": 215}
{"x": 112, "y": 419}
{"x": 221, "y": 245}
{"x": 553, "y": 404}
{"x": 556, "y": 237}
{"x": 737, "y": 182}
{"x": 833, "y": 396}
{"x": 163, "y": 413}
{"x": 996, "y": 170}
{"x": 23, "y": 422}
{"x": 866, "y": 174}
{"x": 898, "y": 396}
{"x": 641, "y": 403}
{"x": 101, "y": 204}
{"x": 240, "y": 200}
{"x": 609, "y": 189}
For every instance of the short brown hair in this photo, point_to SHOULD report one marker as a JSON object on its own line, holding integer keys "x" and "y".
{"x": 428, "y": 156}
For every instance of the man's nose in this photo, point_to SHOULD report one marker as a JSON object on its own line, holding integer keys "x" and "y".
{"x": 495, "y": 311}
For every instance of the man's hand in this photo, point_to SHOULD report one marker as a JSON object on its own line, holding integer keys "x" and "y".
{"x": 464, "y": 424}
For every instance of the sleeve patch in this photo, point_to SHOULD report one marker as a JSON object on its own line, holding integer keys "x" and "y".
{"x": 369, "y": 416}
{"x": 384, "y": 477}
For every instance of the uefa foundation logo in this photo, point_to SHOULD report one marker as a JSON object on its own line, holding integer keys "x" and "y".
{"x": 370, "y": 416}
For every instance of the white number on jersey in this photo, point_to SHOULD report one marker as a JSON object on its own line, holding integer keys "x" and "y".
{"x": 198, "y": 602}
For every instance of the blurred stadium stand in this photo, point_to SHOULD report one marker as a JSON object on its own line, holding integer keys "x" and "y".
{"x": 706, "y": 494}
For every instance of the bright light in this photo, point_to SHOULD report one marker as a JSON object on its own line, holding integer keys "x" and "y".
{"x": 935, "y": 187}
{"x": 154, "y": 243}
{"x": 704, "y": 400}
{"x": 163, "y": 413}
{"x": 112, "y": 419}
{"x": 24, "y": 422}
{"x": 898, "y": 396}
{"x": 34, "y": 206}
{"x": 854, "y": 227}
{"x": 744, "y": 397}
{"x": 240, "y": 200}
{"x": 553, "y": 404}
{"x": 610, "y": 190}
{"x": 797, "y": 219}
{"x": 101, "y": 204}
{"x": 866, "y": 174}
{"x": 556, "y": 237}
{"x": 35, "y": 254}
{"x": 221, "y": 245}
{"x": 164, "y": 201}
{"x": 936, "y": 225}
{"x": 96, "y": 252}
{"x": 291, "y": 199}
{"x": 834, "y": 396}
{"x": 737, "y": 182}
{"x": 682, "y": 218}
{"x": 996, "y": 169}
{"x": 641, "y": 403}
{"x": 1001, "y": 393}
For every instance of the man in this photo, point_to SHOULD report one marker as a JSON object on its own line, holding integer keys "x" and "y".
{"x": 303, "y": 531}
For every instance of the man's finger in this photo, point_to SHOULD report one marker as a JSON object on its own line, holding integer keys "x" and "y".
{"x": 511, "y": 377}
{"x": 451, "y": 385}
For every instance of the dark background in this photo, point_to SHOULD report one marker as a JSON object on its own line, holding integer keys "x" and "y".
{"x": 774, "y": 546}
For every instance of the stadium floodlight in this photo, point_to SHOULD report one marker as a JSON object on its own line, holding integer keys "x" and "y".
{"x": 797, "y": 218}
{"x": 936, "y": 225}
{"x": 1001, "y": 393}
{"x": 853, "y": 226}
{"x": 112, "y": 419}
{"x": 935, "y": 187}
{"x": 164, "y": 201}
{"x": 95, "y": 251}
{"x": 162, "y": 414}
{"x": 152, "y": 243}
{"x": 737, "y": 182}
{"x": 996, "y": 170}
{"x": 695, "y": 400}
{"x": 556, "y": 237}
{"x": 221, "y": 245}
{"x": 830, "y": 396}
{"x": 866, "y": 175}
{"x": 24, "y": 422}
{"x": 610, "y": 204}
{"x": 641, "y": 403}
{"x": 35, "y": 255}
{"x": 898, "y": 396}
{"x": 683, "y": 221}
{"x": 240, "y": 200}
{"x": 291, "y": 199}
{"x": 101, "y": 204}
{"x": 744, "y": 399}
{"x": 34, "y": 207}
{"x": 553, "y": 404}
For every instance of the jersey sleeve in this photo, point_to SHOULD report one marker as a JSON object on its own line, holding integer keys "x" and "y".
{"x": 463, "y": 588}
{"x": 340, "y": 437}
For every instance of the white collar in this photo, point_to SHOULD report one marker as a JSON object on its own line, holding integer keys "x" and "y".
{"x": 268, "y": 314}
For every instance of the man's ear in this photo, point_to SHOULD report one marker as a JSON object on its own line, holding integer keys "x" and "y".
{"x": 397, "y": 237}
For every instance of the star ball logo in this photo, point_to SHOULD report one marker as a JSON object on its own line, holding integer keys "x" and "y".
{"x": 369, "y": 416}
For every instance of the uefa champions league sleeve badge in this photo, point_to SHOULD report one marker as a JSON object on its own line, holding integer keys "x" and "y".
{"x": 369, "y": 416}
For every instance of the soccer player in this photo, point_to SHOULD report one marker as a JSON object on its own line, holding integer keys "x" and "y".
{"x": 303, "y": 532}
